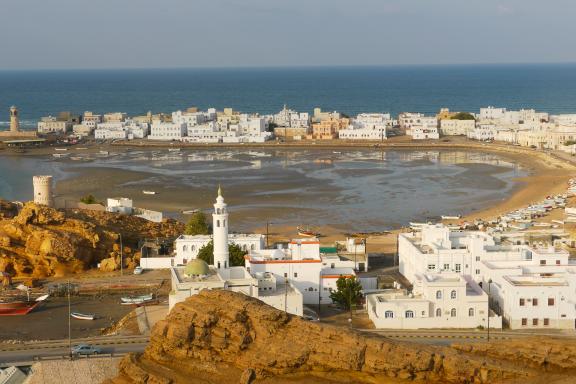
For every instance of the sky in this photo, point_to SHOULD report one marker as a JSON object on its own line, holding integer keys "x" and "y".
{"x": 61, "y": 34}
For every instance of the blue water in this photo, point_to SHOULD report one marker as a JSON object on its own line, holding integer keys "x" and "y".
{"x": 350, "y": 90}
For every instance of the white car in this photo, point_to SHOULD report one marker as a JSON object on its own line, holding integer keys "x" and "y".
{"x": 138, "y": 270}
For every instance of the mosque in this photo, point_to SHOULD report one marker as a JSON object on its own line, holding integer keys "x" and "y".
{"x": 285, "y": 278}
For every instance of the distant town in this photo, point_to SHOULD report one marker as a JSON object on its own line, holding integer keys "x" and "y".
{"x": 526, "y": 127}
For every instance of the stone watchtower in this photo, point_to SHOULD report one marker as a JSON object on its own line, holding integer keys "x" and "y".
{"x": 220, "y": 228}
{"x": 43, "y": 190}
{"x": 14, "y": 120}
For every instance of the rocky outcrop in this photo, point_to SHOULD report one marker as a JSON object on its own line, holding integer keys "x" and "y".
{"x": 41, "y": 241}
{"x": 227, "y": 337}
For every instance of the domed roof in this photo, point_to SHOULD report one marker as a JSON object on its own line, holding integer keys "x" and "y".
{"x": 197, "y": 267}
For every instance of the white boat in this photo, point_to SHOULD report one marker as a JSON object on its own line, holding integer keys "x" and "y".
{"x": 458, "y": 217}
{"x": 337, "y": 152}
{"x": 412, "y": 224}
{"x": 149, "y": 192}
{"x": 82, "y": 316}
{"x": 190, "y": 211}
{"x": 131, "y": 300}
{"x": 173, "y": 149}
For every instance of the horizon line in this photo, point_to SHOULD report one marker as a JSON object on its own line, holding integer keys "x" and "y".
{"x": 296, "y": 66}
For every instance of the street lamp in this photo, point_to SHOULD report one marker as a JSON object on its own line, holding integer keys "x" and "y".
{"x": 121, "y": 256}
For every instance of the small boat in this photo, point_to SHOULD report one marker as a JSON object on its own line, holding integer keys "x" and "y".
{"x": 13, "y": 308}
{"x": 190, "y": 211}
{"x": 306, "y": 232}
{"x": 136, "y": 300}
{"x": 173, "y": 149}
{"x": 149, "y": 192}
{"x": 458, "y": 217}
{"x": 413, "y": 224}
{"x": 82, "y": 316}
{"x": 337, "y": 152}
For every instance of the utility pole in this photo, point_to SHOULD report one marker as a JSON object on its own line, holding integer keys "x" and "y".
{"x": 69, "y": 324}
{"x": 489, "y": 284}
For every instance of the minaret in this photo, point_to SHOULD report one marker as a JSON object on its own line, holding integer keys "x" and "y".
{"x": 220, "y": 228}
{"x": 14, "y": 122}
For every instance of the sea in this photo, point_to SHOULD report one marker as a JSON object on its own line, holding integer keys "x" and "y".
{"x": 351, "y": 90}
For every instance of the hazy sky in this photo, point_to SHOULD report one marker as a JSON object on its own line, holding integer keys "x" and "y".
{"x": 224, "y": 33}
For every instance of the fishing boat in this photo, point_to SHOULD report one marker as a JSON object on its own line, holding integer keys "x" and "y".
{"x": 16, "y": 307}
{"x": 149, "y": 192}
{"x": 451, "y": 217}
{"x": 190, "y": 211}
{"x": 306, "y": 232}
{"x": 82, "y": 316}
{"x": 173, "y": 149}
{"x": 136, "y": 300}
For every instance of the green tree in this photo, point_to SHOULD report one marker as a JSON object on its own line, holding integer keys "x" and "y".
{"x": 348, "y": 292}
{"x": 463, "y": 116}
{"x": 197, "y": 225}
{"x": 88, "y": 199}
{"x": 206, "y": 253}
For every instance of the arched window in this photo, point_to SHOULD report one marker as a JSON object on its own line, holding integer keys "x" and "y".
{"x": 453, "y": 294}
{"x": 471, "y": 312}
{"x": 438, "y": 312}
{"x": 453, "y": 312}
{"x": 223, "y": 223}
{"x": 217, "y": 211}
{"x": 438, "y": 294}
{"x": 244, "y": 247}
{"x": 409, "y": 314}
{"x": 389, "y": 315}
{"x": 192, "y": 248}
{"x": 218, "y": 223}
{"x": 184, "y": 248}
{"x": 252, "y": 247}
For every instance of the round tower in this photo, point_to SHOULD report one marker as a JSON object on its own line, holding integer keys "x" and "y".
{"x": 43, "y": 190}
{"x": 220, "y": 228}
{"x": 14, "y": 120}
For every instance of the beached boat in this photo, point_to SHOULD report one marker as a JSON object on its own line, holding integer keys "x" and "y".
{"x": 413, "y": 224}
{"x": 149, "y": 192}
{"x": 136, "y": 300}
{"x": 190, "y": 211}
{"x": 306, "y": 232}
{"x": 457, "y": 217}
{"x": 14, "y": 308}
{"x": 82, "y": 316}
{"x": 173, "y": 149}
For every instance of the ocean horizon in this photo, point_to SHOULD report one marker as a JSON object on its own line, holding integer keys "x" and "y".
{"x": 348, "y": 89}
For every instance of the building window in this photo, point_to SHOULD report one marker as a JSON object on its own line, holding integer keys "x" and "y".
{"x": 524, "y": 321}
{"x": 471, "y": 312}
{"x": 431, "y": 267}
{"x": 458, "y": 268}
{"x": 389, "y": 315}
{"x": 218, "y": 223}
{"x": 423, "y": 313}
{"x": 446, "y": 267}
{"x": 453, "y": 312}
{"x": 534, "y": 321}
{"x": 550, "y": 301}
{"x": 295, "y": 274}
{"x": 477, "y": 271}
{"x": 477, "y": 258}
{"x": 285, "y": 274}
{"x": 409, "y": 314}
{"x": 546, "y": 321}
{"x": 534, "y": 302}
{"x": 184, "y": 248}
{"x": 438, "y": 312}
{"x": 542, "y": 262}
{"x": 557, "y": 262}
{"x": 438, "y": 294}
{"x": 522, "y": 302}
{"x": 453, "y": 294}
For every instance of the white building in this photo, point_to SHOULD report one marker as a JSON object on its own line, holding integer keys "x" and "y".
{"x": 292, "y": 119}
{"x": 419, "y": 126}
{"x": 126, "y": 129}
{"x": 197, "y": 275}
{"x": 51, "y": 124}
{"x": 167, "y": 131}
{"x": 519, "y": 271}
{"x": 483, "y": 131}
{"x": 445, "y": 300}
{"x": 367, "y": 126}
{"x": 124, "y": 206}
{"x": 454, "y": 127}
{"x": 187, "y": 246}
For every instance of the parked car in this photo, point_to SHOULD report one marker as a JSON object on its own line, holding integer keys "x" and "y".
{"x": 138, "y": 270}
{"x": 86, "y": 349}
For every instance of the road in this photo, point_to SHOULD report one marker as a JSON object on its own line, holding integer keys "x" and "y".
{"x": 32, "y": 351}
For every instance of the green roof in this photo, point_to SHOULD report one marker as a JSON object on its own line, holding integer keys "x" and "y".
{"x": 328, "y": 250}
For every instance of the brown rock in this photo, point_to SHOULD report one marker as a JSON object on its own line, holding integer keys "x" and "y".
{"x": 226, "y": 337}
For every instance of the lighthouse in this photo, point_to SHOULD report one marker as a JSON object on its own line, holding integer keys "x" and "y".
{"x": 220, "y": 229}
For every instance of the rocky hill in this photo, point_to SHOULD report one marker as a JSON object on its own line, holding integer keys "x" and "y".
{"x": 39, "y": 241}
{"x": 226, "y": 337}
